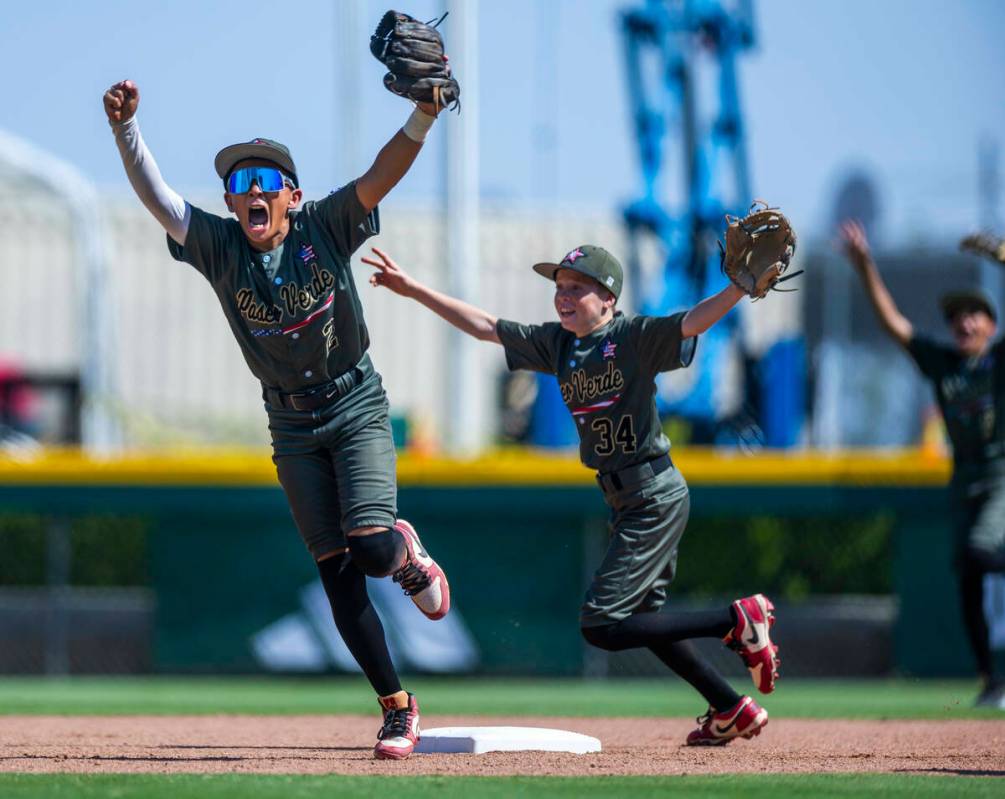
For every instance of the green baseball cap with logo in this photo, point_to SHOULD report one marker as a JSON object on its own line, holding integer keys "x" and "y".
{"x": 592, "y": 261}
{"x": 974, "y": 299}
{"x": 266, "y": 149}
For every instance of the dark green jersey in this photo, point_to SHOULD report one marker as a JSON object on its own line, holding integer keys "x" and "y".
{"x": 294, "y": 310}
{"x": 607, "y": 380}
{"x": 971, "y": 395}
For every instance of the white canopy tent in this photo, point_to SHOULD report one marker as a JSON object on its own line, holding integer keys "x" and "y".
{"x": 24, "y": 163}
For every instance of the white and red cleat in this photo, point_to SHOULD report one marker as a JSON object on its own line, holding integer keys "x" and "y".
{"x": 400, "y": 733}
{"x": 751, "y": 638}
{"x": 420, "y": 577}
{"x": 744, "y": 720}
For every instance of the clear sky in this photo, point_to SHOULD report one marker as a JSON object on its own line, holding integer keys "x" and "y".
{"x": 902, "y": 88}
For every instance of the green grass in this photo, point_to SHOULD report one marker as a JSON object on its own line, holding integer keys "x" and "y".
{"x": 873, "y": 699}
{"x": 234, "y": 786}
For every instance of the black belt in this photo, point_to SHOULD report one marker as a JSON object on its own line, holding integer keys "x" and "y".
{"x": 631, "y": 476}
{"x": 316, "y": 397}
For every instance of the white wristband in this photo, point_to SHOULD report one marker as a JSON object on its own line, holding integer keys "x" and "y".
{"x": 418, "y": 125}
{"x": 122, "y": 125}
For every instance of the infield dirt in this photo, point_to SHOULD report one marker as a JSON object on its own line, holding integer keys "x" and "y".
{"x": 342, "y": 744}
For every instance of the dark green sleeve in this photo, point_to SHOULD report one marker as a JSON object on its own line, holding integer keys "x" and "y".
{"x": 660, "y": 344}
{"x": 346, "y": 220}
{"x": 933, "y": 359}
{"x": 533, "y": 347}
{"x": 207, "y": 243}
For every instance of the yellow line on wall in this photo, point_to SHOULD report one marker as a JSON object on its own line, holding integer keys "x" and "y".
{"x": 701, "y": 466}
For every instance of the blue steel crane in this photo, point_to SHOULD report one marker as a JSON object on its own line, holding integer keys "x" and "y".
{"x": 668, "y": 46}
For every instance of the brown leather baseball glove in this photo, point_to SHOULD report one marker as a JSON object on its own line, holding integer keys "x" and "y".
{"x": 758, "y": 250}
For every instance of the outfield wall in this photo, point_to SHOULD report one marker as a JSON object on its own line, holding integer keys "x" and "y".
{"x": 519, "y": 536}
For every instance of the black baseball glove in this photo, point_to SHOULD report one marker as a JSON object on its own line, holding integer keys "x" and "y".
{"x": 417, "y": 67}
{"x": 986, "y": 244}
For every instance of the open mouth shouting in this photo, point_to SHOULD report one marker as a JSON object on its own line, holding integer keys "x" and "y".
{"x": 258, "y": 217}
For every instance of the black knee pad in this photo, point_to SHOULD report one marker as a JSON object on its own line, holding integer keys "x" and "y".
{"x": 978, "y": 561}
{"x": 377, "y": 554}
{"x": 598, "y": 636}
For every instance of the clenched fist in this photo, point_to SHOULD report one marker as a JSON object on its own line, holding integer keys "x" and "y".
{"x": 121, "y": 101}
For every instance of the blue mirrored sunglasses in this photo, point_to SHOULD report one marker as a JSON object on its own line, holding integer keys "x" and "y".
{"x": 268, "y": 179}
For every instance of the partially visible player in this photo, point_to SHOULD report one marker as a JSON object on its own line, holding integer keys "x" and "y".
{"x": 606, "y": 364}
{"x": 282, "y": 275}
{"x": 969, "y": 383}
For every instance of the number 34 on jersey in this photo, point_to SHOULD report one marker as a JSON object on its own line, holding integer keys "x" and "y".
{"x": 620, "y": 434}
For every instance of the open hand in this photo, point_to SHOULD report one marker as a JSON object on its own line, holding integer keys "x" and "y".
{"x": 389, "y": 274}
{"x": 855, "y": 243}
{"x": 121, "y": 101}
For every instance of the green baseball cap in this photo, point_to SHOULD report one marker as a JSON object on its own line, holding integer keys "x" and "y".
{"x": 952, "y": 302}
{"x": 592, "y": 261}
{"x": 266, "y": 149}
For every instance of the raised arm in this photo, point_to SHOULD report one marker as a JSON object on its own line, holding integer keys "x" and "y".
{"x": 166, "y": 205}
{"x": 709, "y": 311}
{"x": 856, "y": 245}
{"x": 395, "y": 158}
{"x": 467, "y": 318}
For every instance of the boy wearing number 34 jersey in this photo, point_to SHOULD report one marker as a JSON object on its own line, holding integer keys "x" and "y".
{"x": 606, "y": 364}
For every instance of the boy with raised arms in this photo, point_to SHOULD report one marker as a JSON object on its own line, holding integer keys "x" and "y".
{"x": 606, "y": 364}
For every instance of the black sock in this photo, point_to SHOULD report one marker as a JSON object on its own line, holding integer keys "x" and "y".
{"x": 682, "y": 658}
{"x": 654, "y": 629}
{"x": 972, "y": 605}
{"x": 662, "y": 634}
{"x": 358, "y": 622}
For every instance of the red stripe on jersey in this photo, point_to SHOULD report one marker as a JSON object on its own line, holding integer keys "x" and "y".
{"x": 597, "y": 407}
{"x": 313, "y": 316}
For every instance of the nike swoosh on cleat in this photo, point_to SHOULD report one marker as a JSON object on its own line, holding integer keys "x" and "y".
{"x": 723, "y": 730}
{"x": 423, "y": 557}
{"x": 420, "y": 552}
